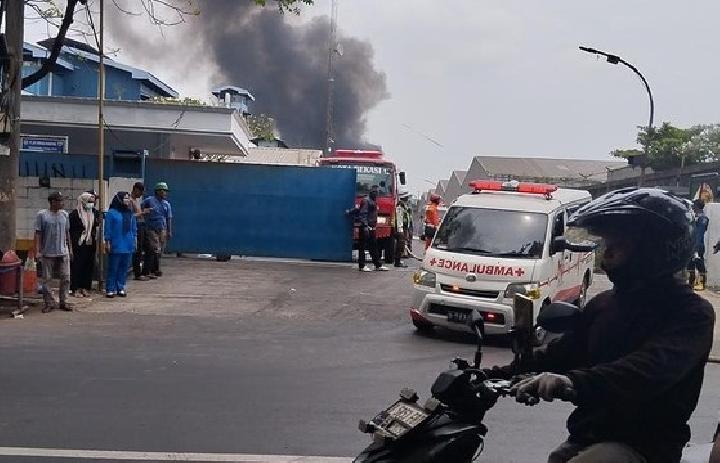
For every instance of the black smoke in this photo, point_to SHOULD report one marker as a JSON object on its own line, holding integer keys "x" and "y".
{"x": 284, "y": 66}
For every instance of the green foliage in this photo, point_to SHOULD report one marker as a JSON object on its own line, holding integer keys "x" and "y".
{"x": 669, "y": 146}
{"x": 262, "y": 126}
{"x": 292, "y": 6}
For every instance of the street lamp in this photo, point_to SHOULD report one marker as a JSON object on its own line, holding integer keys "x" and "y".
{"x": 615, "y": 59}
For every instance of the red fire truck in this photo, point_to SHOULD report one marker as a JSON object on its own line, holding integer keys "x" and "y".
{"x": 373, "y": 169}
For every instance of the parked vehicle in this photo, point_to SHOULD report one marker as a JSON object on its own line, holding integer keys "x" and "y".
{"x": 503, "y": 239}
{"x": 373, "y": 169}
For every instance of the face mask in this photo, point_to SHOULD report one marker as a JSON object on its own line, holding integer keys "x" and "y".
{"x": 127, "y": 202}
{"x": 89, "y": 206}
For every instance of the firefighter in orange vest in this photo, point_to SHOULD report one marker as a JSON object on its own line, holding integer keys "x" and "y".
{"x": 432, "y": 219}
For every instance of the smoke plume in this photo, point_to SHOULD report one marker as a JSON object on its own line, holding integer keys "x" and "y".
{"x": 285, "y": 67}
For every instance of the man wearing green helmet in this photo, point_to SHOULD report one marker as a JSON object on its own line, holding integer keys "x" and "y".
{"x": 158, "y": 223}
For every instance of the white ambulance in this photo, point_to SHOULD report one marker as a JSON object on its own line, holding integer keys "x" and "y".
{"x": 503, "y": 239}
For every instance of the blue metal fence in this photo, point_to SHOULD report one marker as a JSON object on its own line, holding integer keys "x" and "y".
{"x": 258, "y": 210}
{"x": 120, "y": 164}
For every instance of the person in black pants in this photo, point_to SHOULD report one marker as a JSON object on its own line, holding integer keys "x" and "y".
{"x": 84, "y": 221}
{"x": 137, "y": 258}
{"x": 366, "y": 215}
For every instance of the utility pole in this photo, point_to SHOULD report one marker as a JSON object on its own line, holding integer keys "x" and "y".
{"x": 101, "y": 141}
{"x": 11, "y": 91}
{"x": 332, "y": 49}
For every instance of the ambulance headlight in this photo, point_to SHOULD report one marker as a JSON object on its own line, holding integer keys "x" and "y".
{"x": 530, "y": 290}
{"x": 424, "y": 278}
{"x": 382, "y": 220}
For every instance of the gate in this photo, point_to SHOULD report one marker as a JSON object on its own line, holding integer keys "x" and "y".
{"x": 258, "y": 210}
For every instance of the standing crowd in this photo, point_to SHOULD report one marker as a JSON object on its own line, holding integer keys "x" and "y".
{"x": 136, "y": 230}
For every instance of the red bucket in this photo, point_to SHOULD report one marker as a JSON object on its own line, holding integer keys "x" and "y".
{"x": 9, "y": 266}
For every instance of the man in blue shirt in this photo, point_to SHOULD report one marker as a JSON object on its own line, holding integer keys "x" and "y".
{"x": 158, "y": 228}
{"x": 698, "y": 272}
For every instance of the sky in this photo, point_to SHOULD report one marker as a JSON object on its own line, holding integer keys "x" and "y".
{"x": 500, "y": 77}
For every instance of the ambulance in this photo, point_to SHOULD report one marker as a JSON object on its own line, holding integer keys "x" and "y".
{"x": 504, "y": 238}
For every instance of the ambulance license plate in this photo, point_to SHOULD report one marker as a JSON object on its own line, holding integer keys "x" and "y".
{"x": 456, "y": 316}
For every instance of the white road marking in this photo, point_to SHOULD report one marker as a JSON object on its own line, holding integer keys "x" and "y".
{"x": 163, "y": 456}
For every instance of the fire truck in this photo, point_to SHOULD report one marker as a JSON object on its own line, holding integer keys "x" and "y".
{"x": 373, "y": 169}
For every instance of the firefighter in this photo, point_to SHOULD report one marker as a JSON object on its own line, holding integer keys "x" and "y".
{"x": 432, "y": 219}
{"x": 698, "y": 272}
{"x": 401, "y": 224}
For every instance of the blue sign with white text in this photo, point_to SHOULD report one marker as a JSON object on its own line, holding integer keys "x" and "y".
{"x": 47, "y": 144}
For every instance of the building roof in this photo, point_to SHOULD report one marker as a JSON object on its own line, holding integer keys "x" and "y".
{"x": 547, "y": 168}
{"x": 75, "y": 48}
{"x": 233, "y": 89}
{"x": 441, "y": 187}
{"x": 43, "y": 53}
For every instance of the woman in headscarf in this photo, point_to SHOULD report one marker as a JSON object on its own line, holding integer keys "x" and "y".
{"x": 120, "y": 234}
{"x": 84, "y": 220}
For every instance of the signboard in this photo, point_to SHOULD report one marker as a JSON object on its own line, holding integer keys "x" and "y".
{"x": 361, "y": 169}
{"x": 44, "y": 143}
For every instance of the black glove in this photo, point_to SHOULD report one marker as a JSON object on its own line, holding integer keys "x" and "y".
{"x": 547, "y": 386}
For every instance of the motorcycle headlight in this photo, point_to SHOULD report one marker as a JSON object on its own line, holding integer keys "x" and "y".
{"x": 530, "y": 290}
{"x": 424, "y": 278}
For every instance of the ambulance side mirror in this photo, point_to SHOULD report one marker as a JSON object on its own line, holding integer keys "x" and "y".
{"x": 402, "y": 178}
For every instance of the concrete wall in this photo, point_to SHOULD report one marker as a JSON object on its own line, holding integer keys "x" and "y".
{"x": 31, "y": 198}
{"x": 712, "y": 261}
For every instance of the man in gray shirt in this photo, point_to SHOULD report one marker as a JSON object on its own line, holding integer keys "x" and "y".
{"x": 52, "y": 248}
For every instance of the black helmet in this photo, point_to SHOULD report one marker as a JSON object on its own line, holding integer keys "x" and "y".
{"x": 663, "y": 222}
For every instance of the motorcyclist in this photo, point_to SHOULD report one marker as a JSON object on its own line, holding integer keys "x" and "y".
{"x": 634, "y": 364}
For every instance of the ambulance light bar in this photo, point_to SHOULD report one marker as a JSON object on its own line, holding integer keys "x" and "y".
{"x": 515, "y": 186}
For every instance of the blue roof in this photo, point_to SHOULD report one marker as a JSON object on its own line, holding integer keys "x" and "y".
{"x": 43, "y": 53}
{"x": 233, "y": 89}
{"x": 138, "y": 74}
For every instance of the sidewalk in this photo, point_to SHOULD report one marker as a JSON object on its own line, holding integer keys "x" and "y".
{"x": 714, "y": 298}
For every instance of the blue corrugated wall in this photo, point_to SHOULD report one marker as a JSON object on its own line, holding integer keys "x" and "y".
{"x": 258, "y": 210}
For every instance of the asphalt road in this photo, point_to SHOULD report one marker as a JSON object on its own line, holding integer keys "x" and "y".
{"x": 192, "y": 369}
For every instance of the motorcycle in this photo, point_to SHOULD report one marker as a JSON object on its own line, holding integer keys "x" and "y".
{"x": 448, "y": 426}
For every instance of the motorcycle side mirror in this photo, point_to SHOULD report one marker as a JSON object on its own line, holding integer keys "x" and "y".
{"x": 477, "y": 323}
{"x": 560, "y": 243}
{"x": 559, "y": 317}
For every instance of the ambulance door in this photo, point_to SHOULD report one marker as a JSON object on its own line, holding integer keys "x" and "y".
{"x": 562, "y": 262}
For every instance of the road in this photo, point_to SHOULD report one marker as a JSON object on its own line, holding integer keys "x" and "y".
{"x": 246, "y": 357}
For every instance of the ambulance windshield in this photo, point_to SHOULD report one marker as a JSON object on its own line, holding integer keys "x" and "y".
{"x": 492, "y": 232}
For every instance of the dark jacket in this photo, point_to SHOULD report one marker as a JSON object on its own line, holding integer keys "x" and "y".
{"x": 637, "y": 361}
{"x": 77, "y": 227}
{"x": 367, "y": 212}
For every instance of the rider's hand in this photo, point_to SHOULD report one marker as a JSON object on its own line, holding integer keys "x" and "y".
{"x": 547, "y": 386}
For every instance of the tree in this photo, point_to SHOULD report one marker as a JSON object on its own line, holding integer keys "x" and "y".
{"x": 262, "y": 126}
{"x": 669, "y": 146}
